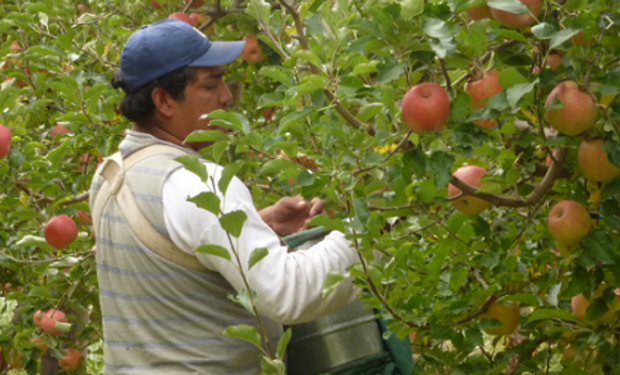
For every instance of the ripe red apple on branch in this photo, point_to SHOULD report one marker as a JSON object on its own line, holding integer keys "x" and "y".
{"x": 196, "y": 3}
{"x": 5, "y": 141}
{"x": 518, "y": 21}
{"x": 60, "y": 232}
{"x": 578, "y": 113}
{"x": 482, "y": 89}
{"x": 569, "y": 222}
{"x": 49, "y": 320}
{"x": 425, "y": 108}
{"x": 479, "y": 13}
{"x": 594, "y": 163}
{"x": 182, "y": 17}
{"x": 553, "y": 61}
{"x": 59, "y": 129}
{"x": 252, "y": 52}
{"x": 71, "y": 361}
{"x": 470, "y": 174}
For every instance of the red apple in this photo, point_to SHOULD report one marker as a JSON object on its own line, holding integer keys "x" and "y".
{"x": 196, "y": 4}
{"x": 48, "y": 322}
{"x": 15, "y": 46}
{"x": 579, "y": 39}
{"x": 59, "y": 129}
{"x": 425, "y": 108}
{"x": 5, "y": 141}
{"x": 508, "y": 315}
{"x": 553, "y": 61}
{"x": 156, "y": 4}
{"x": 40, "y": 344}
{"x": 252, "y": 52}
{"x": 268, "y": 113}
{"x": 569, "y": 222}
{"x": 60, "y": 231}
{"x": 85, "y": 218}
{"x": 181, "y": 17}
{"x": 468, "y": 205}
{"x": 479, "y": 13}
{"x": 481, "y": 90}
{"x": 71, "y": 361}
{"x": 578, "y": 113}
{"x": 594, "y": 163}
{"x": 517, "y": 21}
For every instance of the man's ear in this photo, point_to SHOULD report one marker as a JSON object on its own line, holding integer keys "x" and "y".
{"x": 163, "y": 102}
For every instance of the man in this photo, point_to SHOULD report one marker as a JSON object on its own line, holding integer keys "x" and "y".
{"x": 162, "y": 315}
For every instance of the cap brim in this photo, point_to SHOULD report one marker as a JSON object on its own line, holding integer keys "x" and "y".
{"x": 219, "y": 53}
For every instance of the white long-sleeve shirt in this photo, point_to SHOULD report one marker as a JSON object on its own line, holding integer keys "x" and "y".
{"x": 288, "y": 285}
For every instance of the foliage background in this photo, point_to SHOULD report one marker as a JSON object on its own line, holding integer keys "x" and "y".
{"x": 336, "y": 83}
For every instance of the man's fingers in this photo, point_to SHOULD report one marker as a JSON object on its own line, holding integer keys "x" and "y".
{"x": 317, "y": 206}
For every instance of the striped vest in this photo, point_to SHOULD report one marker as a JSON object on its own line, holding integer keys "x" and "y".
{"x": 158, "y": 317}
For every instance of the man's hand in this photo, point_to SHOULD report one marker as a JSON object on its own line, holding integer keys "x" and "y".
{"x": 290, "y": 214}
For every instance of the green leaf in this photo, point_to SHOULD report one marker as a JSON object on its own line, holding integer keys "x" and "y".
{"x": 63, "y": 327}
{"x": 305, "y": 55}
{"x": 276, "y": 73}
{"x": 524, "y": 299}
{"x": 228, "y": 173}
{"x": 244, "y": 332}
{"x": 555, "y": 103}
{"x": 411, "y": 8}
{"x": 600, "y": 246}
{"x": 38, "y": 291}
{"x": 459, "y": 107}
{"x": 208, "y": 201}
{"x": 259, "y": 9}
{"x": 207, "y": 136}
{"x": 457, "y": 277}
{"x": 194, "y": 165}
{"x": 510, "y": 77}
{"x": 440, "y": 165}
{"x": 331, "y": 282}
{"x": 307, "y": 85}
{"x": 369, "y": 111}
{"x": 544, "y": 314}
{"x": 227, "y": 119}
{"x": 256, "y": 256}
{"x": 562, "y": 36}
{"x": 388, "y": 72}
{"x": 596, "y": 309}
{"x": 232, "y": 222}
{"x": 516, "y": 92}
{"x": 361, "y": 210}
{"x": 474, "y": 335}
{"x": 512, "y": 6}
{"x": 35, "y": 241}
{"x": 510, "y": 34}
{"x": 243, "y": 298}
{"x": 16, "y": 158}
{"x": 215, "y": 250}
{"x": 283, "y": 343}
{"x": 274, "y": 166}
{"x": 414, "y": 161}
{"x": 544, "y": 30}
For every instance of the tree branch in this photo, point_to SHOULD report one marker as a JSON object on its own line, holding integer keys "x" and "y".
{"x": 485, "y": 58}
{"x": 586, "y": 78}
{"x": 348, "y": 116}
{"x": 539, "y": 191}
{"x": 188, "y": 6}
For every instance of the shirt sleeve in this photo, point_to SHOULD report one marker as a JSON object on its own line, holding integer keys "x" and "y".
{"x": 288, "y": 285}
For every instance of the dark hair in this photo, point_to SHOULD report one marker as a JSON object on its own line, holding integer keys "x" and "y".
{"x": 138, "y": 106}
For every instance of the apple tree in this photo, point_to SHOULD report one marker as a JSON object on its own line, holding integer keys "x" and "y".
{"x": 473, "y": 144}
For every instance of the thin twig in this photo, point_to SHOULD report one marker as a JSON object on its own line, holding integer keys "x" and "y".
{"x": 188, "y": 6}
{"x": 586, "y": 78}
{"x": 399, "y": 145}
{"x": 445, "y": 74}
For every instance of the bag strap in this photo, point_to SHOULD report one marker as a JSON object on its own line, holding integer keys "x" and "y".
{"x": 113, "y": 171}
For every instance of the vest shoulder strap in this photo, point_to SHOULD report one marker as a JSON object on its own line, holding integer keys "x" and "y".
{"x": 113, "y": 171}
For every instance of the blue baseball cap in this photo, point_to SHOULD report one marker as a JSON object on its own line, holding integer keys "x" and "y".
{"x": 165, "y": 46}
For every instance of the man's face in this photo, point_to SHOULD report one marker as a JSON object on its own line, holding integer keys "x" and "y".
{"x": 205, "y": 94}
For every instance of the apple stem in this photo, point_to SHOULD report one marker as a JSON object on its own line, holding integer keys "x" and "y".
{"x": 446, "y": 76}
